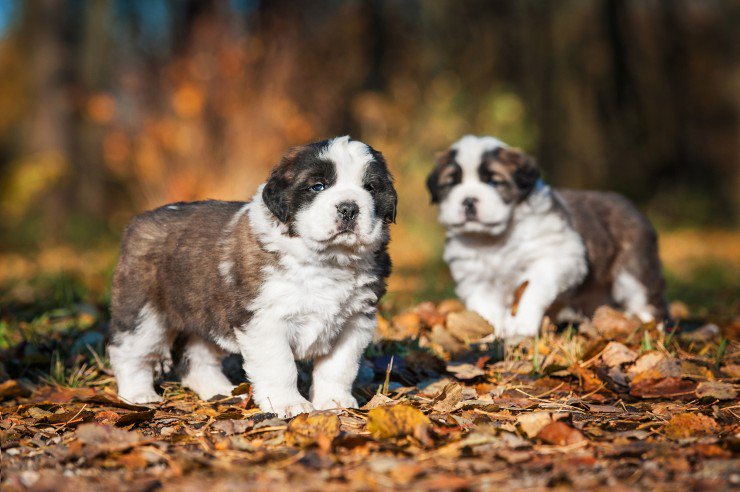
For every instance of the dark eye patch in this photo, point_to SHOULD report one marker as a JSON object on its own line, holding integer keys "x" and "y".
{"x": 379, "y": 183}
{"x": 444, "y": 177}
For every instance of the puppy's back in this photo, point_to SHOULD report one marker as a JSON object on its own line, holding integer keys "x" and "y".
{"x": 170, "y": 258}
{"x": 618, "y": 238}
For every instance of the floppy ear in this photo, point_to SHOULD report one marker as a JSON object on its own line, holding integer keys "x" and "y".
{"x": 443, "y": 159}
{"x": 391, "y": 217}
{"x": 526, "y": 171}
{"x": 390, "y": 189}
{"x": 275, "y": 193}
{"x": 275, "y": 196}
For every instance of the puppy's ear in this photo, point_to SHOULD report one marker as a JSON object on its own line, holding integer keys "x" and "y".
{"x": 391, "y": 217}
{"x": 443, "y": 160}
{"x": 388, "y": 200}
{"x": 525, "y": 172}
{"x": 276, "y": 194}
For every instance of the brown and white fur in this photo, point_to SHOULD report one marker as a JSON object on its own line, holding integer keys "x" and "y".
{"x": 505, "y": 227}
{"x": 296, "y": 273}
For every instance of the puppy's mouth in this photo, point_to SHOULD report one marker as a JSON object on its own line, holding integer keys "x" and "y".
{"x": 476, "y": 222}
{"x": 478, "y": 227}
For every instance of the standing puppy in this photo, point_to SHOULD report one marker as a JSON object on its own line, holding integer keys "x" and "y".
{"x": 296, "y": 273}
{"x": 511, "y": 236}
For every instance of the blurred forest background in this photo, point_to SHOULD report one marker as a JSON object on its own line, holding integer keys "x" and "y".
{"x": 112, "y": 107}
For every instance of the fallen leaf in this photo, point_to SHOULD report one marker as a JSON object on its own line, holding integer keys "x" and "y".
{"x": 441, "y": 337}
{"x": 533, "y": 422}
{"x": 241, "y": 389}
{"x": 406, "y": 325}
{"x": 99, "y": 439}
{"x": 135, "y": 418}
{"x": 732, "y": 370}
{"x": 716, "y": 390}
{"x": 666, "y": 368}
{"x": 468, "y": 326}
{"x": 448, "y": 399}
{"x": 518, "y": 297}
{"x": 308, "y": 429}
{"x": 615, "y": 354}
{"x": 664, "y": 388}
{"x": 612, "y": 324}
{"x": 428, "y": 314}
{"x": 464, "y": 370}
{"x": 687, "y": 425}
{"x": 231, "y": 426}
{"x": 398, "y": 421}
{"x": 450, "y": 306}
{"x": 560, "y": 433}
{"x": 645, "y": 362}
{"x": 12, "y": 389}
{"x": 106, "y": 417}
{"x": 378, "y": 400}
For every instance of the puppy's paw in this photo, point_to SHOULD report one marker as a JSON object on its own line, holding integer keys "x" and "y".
{"x": 522, "y": 325}
{"x": 140, "y": 397}
{"x": 289, "y": 408}
{"x": 342, "y": 400}
{"x": 209, "y": 392}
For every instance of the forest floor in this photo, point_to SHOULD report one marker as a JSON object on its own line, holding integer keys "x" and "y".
{"x": 610, "y": 403}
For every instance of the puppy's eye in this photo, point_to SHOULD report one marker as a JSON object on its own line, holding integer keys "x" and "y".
{"x": 496, "y": 182}
{"x": 369, "y": 188}
{"x": 317, "y": 187}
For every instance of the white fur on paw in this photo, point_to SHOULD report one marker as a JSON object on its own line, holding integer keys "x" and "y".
{"x": 140, "y": 397}
{"x": 521, "y": 325}
{"x": 287, "y": 410}
{"x": 333, "y": 402}
{"x": 208, "y": 393}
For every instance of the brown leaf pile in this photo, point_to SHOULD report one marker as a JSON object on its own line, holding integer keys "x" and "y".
{"x": 612, "y": 404}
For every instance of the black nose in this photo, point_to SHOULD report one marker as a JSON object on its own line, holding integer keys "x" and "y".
{"x": 348, "y": 210}
{"x": 469, "y": 205}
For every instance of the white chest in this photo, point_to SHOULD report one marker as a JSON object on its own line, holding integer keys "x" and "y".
{"x": 313, "y": 304}
{"x": 501, "y": 266}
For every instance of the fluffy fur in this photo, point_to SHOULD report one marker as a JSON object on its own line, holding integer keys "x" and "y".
{"x": 296, "y": 273}
{"x": 508, "y": 231}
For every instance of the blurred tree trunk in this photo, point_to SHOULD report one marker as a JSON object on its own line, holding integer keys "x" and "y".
{"x": 49, "y": 127}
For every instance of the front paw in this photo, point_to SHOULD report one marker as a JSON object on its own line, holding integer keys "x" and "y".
{"x": 522, "y": 325}
{"x": 140, "y": 397}
{"x": 344, "y": 400}
{"x": 286, "y": 409}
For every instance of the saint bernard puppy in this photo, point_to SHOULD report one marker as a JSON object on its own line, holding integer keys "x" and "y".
{"x": 519, "y": 249}
{"x": 295, "y": 273}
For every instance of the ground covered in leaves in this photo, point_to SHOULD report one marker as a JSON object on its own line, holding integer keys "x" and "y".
{"x": 610, "y": 403}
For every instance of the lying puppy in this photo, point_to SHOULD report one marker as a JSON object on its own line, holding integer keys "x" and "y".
{"x": 519, "y": 249}
{"x": 296, "y": 273}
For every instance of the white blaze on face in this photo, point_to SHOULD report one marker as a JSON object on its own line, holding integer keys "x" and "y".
{"x": 320, "y": 221}
{"x": 493, "y": 213}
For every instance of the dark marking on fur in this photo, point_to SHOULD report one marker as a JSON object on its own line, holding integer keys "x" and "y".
{"x": 446, "y": 174}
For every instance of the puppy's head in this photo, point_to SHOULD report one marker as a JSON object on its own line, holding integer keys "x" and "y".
{"x": 478, "y": 182}
{"x": 335, "y": 193}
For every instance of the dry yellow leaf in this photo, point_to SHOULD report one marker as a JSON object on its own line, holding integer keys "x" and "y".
{"x": 398, "y": 421}
{"x": 308, "y": 429}
{"x": 686, "y": 425}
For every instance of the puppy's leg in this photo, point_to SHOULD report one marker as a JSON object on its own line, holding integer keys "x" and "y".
{"x": 632, "y": 295}
{"x": 490, "y": 305}
{"x": 334, "y": 373}
{"x": 270, "y": 367}
{"x": 203, "y": 372}
{"x": 133, "y": 353}
{"x": 546, "y": 280}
